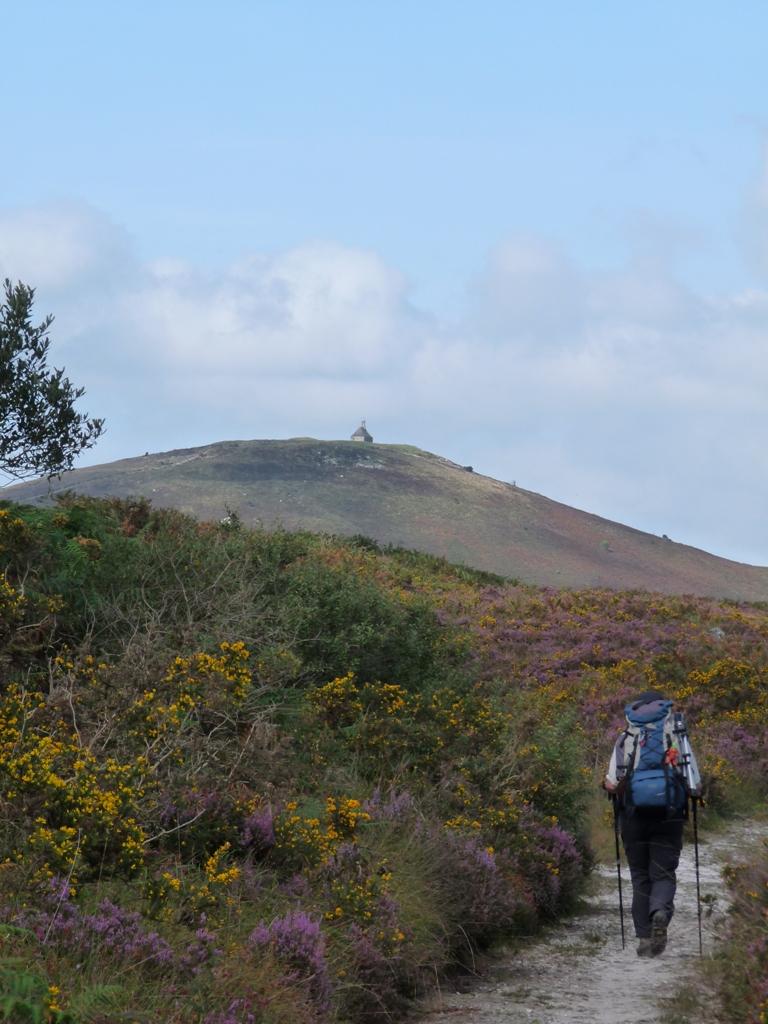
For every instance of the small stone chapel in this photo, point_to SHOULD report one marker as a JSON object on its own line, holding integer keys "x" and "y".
{"x": 361, "y": 434}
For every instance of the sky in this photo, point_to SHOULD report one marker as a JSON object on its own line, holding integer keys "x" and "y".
{"x": 530, "y": 237}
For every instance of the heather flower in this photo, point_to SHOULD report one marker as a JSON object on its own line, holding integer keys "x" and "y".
{"x": 258, "y": 830}
{"x": 297, "y": 940}
{"x": 550, "y": 863}
{"x": 298, "y": 887}
{"x": 492, "y": 896}
{"x": 745, "y": 964}
{"x": 201, "y": 953}
{"x": 236, "y": 1013}
{"x": 379, "y": 988}
{"x": 397, "y": 808}
{"x": 111, "y": 928}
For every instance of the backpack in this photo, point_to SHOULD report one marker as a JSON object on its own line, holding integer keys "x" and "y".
{"x": 654, "y": 777}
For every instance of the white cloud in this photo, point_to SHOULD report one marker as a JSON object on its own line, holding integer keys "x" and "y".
{"x": 319, "y": 309}
{"x": 623, "y": 393}
{"x": 753, "y": 233}
{"x": 529, "y": 291}
{"x": 61, "y": 245}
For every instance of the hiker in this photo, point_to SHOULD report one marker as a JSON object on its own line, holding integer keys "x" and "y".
{"x": 651, "y": 776}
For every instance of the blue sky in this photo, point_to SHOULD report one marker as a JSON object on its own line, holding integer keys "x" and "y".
{"x": 532, "y": 237}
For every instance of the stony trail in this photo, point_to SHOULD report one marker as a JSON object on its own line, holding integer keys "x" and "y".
{"x": 578, "y": 973}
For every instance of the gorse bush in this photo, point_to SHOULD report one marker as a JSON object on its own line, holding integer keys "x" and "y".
{"x": 387, "y": 727}
{"x": 254, "y": 775}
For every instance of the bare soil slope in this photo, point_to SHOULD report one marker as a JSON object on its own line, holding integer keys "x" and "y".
{"x": 402, "y": 495}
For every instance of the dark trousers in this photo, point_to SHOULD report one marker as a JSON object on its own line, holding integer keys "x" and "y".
{"x": 652, "y": 845}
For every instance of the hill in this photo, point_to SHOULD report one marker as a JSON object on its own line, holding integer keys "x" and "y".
{"x": 262, "y": 777}
{"x": 401, "y": 495}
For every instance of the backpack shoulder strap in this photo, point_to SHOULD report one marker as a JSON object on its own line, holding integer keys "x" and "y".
{"x": 620, "y": 751}
{"x": 633, "y": 734}
{"x": 631, "y": 752}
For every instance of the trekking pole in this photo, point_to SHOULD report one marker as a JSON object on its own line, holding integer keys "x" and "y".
{"x": 694, "y": 801}
{"x": 685, "y": 764}
{"x": 615, "y": 800}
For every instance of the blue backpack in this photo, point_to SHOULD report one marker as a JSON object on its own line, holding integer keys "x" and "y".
{"x": 652, "y": 778}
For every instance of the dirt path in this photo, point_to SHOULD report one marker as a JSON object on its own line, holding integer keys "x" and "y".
{"x": 579, "y": 974}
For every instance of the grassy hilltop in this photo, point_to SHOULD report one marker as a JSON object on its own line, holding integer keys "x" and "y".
{"x": 262, "y": 776}
{"x": 403, "y": 496}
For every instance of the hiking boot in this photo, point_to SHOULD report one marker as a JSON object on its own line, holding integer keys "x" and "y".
{"x": 659, "y": 925}
{"x": 644, "y": 947}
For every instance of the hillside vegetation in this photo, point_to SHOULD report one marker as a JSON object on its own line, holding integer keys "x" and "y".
{"x": 254, "y": 775}
{"x": 401, "y": 495}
